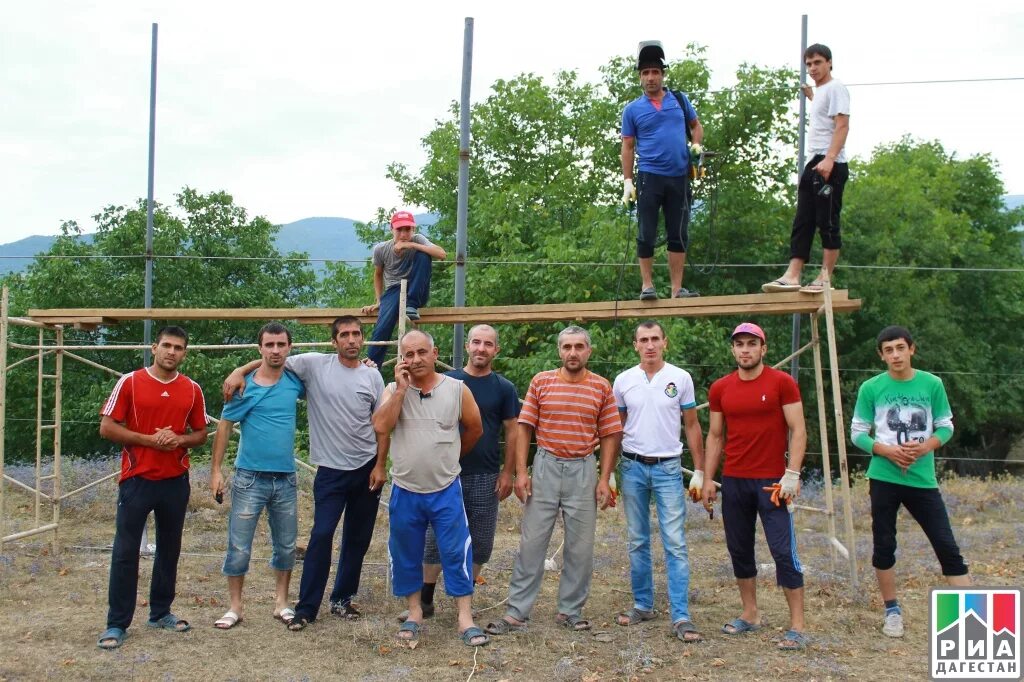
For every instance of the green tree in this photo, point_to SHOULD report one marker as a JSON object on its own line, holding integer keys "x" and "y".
{"x": 210, "y": 254}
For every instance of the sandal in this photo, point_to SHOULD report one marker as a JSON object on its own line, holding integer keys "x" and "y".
{"x": 793, "y": 641}
{"x": 170, "y": 622}
{"x": 227, "y": 621}
{"x": 634, "y": 616}
{"x": 469, "y": 634}
{"x": 574, "y": 623}
{"x": 285, "y": 615}
{"x": 779, "y": 286}
{"x": 684, "y": 628}
{"x": 411, "y": 627}
{"x": 111, "y": 638}
{"x": 298, "y": 623}
{"x": 739, "y": 627}
{"x": 815, "y": 287}
{"x": 504, "y": 627}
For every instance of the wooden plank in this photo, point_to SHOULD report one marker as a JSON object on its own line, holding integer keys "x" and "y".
{"x": 742, "y": 304}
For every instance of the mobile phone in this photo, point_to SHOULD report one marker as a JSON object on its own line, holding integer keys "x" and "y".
{"x": 219, "y": 497}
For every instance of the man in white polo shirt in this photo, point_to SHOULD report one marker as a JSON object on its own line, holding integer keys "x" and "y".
{"x": 654, "y": 398}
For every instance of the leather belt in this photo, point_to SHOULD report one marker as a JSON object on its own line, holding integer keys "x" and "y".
{"x": 644, "y": 459}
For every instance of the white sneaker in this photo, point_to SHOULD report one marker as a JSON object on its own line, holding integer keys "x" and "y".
{"x": 893, "y": 625}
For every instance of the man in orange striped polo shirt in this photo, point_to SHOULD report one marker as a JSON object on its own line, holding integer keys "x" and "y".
{"x": 571, "y": 410}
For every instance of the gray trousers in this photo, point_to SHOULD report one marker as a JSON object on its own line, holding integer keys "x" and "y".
{"x": 569, "y": 484}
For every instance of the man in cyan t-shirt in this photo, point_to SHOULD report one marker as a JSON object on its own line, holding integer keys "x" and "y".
{"x": 157, "y": 414}
{"x": 264, "y": 471}
{"x": 754, "y": 411}
{"x": 485, "y": 481}
{"x": 909, "y": 413}
{"x": 407, "y": 255}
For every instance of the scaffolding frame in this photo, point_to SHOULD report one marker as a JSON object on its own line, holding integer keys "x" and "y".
{"x": 819, "y": 306}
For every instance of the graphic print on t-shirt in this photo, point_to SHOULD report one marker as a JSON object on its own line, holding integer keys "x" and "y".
{"x": 903, "y": 418}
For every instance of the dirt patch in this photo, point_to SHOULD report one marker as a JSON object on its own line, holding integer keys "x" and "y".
{"x": 54, "y": 605}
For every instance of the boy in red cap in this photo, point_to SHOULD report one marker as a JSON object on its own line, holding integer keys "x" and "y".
{"x": 753, "y": 412}
{"x": 406, "y": 255}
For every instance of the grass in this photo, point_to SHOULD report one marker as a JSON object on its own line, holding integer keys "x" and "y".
{"x": 54, "y": 605}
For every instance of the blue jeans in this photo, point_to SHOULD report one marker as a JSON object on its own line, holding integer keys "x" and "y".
{"x": 417, "y": 295}
{"x": 251, "y": 493}
{"x": 665, "y": 482}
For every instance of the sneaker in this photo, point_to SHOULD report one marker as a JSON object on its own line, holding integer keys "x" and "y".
{"x": 412, "y": 313}
{"x": 686, "y": 293}
{"x": 893, "y": 624}
{"x": 345, "y": 610}
{"x": 649, "y": 294}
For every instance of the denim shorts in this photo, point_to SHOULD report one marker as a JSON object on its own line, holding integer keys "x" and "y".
{"x": 251, "y": 493}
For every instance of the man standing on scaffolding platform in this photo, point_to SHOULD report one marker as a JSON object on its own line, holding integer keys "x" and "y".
{"x": 406, "y": 255}
{"x": 157, "y": 414}
{"x": 820, "y": 194}
{"x": 655, "y": 127}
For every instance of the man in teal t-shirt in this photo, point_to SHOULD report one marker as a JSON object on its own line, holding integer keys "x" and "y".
{"x": 264, "y": 471}
{"x": 909, "y": 413}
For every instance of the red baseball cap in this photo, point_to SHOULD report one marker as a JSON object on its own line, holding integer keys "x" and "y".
{"x": 403, "y": 219}
{"x": 749, "y": 328}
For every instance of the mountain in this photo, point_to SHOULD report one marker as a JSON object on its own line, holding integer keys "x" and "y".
{"x": 322, "y": 238}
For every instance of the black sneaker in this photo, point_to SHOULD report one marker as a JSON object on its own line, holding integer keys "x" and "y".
{"x": 412, "y": 313}
{"x": 345, "y": 610}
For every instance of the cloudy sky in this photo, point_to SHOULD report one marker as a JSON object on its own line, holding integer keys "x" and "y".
{"x": 297, "y": 108}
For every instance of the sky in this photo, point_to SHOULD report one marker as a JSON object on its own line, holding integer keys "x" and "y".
{"x": 296, "y": 109}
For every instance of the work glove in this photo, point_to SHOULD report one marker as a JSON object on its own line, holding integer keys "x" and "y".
{"x": 789, "y": 484}
{"x": 696, "y": 488}
{"x": 696, "y": 149}
{"x": 628, "y": 191}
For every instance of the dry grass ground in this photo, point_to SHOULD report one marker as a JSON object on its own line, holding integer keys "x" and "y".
{"x": 54, "y": 606}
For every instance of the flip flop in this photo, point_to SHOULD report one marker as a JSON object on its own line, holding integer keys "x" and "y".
{"x": 649, "y": 294}
{"x": 574, "y": 623}
{"x": 739, "y": 627}
{"x": 469, "y": 634}
{"x": 170, "y": 622}
{"x": 227, "y": 621}
{"x": 815, "y": 288}
{"x": 684, "y": 628}
{"x": 779, "y": 286}
{"x": 634, "y": 616}
{"x": 115, "y": 635}
{"x": 285, "y": 615}
{"x": 412, "y": 627}
{"x": 793, "y": 641}
{"x": 503, "y": 627}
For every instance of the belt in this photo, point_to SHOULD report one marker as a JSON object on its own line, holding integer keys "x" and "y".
{"x": 644, "y": 459}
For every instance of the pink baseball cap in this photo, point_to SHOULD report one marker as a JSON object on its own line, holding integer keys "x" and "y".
{"x": 749, "y": 328}
{"x": 403, "y": 219}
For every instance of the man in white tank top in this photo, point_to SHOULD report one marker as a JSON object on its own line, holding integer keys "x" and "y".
{"x": 421, "y": 413}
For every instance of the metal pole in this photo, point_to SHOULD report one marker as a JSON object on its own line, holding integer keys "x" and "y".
{"x": 3, "y": 403}
{"x": 147, "y": 325}
{"x": 462, "y": 216}
{"x": 794, "y": 368}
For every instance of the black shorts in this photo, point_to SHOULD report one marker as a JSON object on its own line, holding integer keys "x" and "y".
{"x": 927, "y": 508}
{"x": 743, "y": 501}
{"x": 815, "y": 212}
{"x": 658, "y": 194}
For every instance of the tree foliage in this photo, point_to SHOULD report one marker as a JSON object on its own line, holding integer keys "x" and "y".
{"x": 220, "y": 258}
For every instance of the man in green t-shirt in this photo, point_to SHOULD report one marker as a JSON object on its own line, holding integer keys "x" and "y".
{"x": 909, "y": 413}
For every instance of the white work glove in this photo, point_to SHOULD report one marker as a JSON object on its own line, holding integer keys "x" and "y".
{"x": 789, "y": 484}
{"x": 628, "y": 191}
{"x": 696, "y": 488}
{"x": 696, "y": 149}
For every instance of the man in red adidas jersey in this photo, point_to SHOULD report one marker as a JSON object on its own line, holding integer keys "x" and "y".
{"x": 157, "y": 414}
{"x": 571, "y": 410}
{"x": 754, "y": 411}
